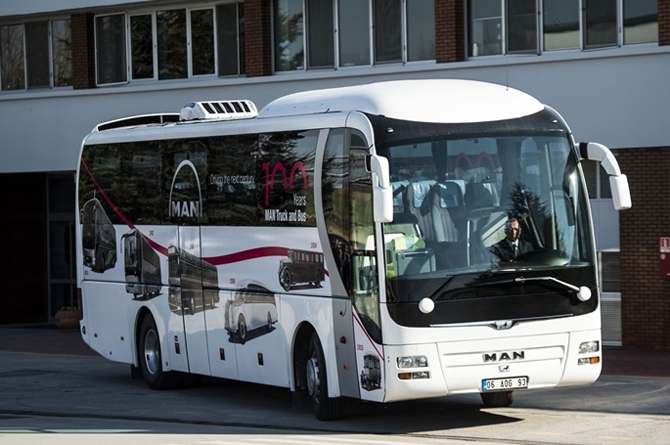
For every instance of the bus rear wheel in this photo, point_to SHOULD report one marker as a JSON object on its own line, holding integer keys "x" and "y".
{"x": 325, "y": 408}
{"x": 497, "y": 399}
{"x": 150, "y": 358}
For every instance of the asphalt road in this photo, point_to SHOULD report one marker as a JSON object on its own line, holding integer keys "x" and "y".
{"x": 613, "y": 410}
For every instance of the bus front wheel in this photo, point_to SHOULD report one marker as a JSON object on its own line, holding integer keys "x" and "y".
{"x": 325, "y": 408}
{"x": 497, "y": 399}
{"x": 150, "y": 358}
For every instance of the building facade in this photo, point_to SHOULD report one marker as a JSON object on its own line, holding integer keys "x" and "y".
{"x": 66, "y": 66}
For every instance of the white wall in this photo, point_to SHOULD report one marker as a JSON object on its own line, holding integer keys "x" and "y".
{"x": 619, "y": 97}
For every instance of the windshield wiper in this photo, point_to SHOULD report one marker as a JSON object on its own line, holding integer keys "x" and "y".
{"x": 582, "y": 292}
{"x": 439, "y": 290}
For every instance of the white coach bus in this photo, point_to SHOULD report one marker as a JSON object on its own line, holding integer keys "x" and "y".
{"x": 405, "y": 189}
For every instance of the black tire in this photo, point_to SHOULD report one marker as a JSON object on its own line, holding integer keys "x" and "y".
{"x": 497, "y": 399}
{"x": 151, "y": 362}
{"x": 269, "y": 321}
{"x": 242, "y": 329}
{"x": 325, "y": 408}
{"x": 286, "y": 280}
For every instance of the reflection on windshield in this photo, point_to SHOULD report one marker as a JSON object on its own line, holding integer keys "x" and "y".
{"x": 485, "y": 203}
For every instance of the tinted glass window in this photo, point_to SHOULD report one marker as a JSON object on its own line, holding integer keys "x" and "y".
{"x": 110, "y": 33}
{"x": 561, "y": 24}
{"x": 288, "y": 26}
{"x": 11, "y": 57}
{"x": 142, "y": 47}
{"x": 172, "y": 59}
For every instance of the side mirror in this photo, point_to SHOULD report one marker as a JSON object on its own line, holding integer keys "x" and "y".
{"x": 618, "y": 181}
{"x": 382, "y": 192}
{"x": 620, "y": 192}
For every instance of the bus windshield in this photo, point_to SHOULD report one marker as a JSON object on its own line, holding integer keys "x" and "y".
{"x": 483, "y": 204}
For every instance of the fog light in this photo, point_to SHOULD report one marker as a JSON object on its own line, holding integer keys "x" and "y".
{"x": 413, "y": 375}
{"x": 588, "y": 361}
{"x": 417, "y": 361}
{"x": 589, "y": 346}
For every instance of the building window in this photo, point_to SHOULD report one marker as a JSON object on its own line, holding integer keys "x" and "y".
{"x": 171, "y": 40}
{"x": 321, "y": 45}
{"x": 387, "y": 27}
{"x": 35, "y": 55}
{"x": 640, "y": 21}
{"x": 110, "y": 45}
{"x": 560, "y": 23}
{"x": 202, "y": 42}
{"x": 11, "y": 57}
{"x": 600, "y": 23}
{"x": 230, "y": 38}
{"x": 61, "y": 51}
{"x": 420, "y": 35}
{"x": 142, "y": 46}
{"x": 522, "y": 26}
{"x": 508, "y": 27}
{"x": 485, "y": 31}
{"x": 170, "y": 44}
{"x": 354, "y": 32}
{"x": 368, "y": 32}
{"x": 289, "y": 35}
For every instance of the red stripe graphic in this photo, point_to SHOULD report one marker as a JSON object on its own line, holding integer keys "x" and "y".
{"x": 244, "y": 255}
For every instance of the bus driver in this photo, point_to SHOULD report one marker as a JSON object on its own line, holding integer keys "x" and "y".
{"x": 513, "y": 245}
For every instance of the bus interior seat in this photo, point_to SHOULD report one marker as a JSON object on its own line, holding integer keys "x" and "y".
{"x": 481, "y": 212}
{"x": 449, "y": 225}
{"x": 447, "y": 211}
{"x": 399, "y": 196}
{"x": 419, "y": 206}
{"x": 477, "y": 196}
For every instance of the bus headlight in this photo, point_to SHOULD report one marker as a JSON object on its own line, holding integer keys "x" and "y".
{"x": 589, "y": 347}
{"x": 415, "y": 361}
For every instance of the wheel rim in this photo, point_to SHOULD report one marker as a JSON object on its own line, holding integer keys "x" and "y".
{"x": 242, "y": 328}
{"x": 313, "y": 384}
{"x": 269, "y": 321}
{"x": 152, "y": 356}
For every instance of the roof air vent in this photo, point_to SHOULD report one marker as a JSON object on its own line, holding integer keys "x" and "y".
{"x": 225, "y": 109}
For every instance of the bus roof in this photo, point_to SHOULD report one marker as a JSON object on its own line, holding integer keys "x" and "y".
{"x": 450, "y": 101}
{"x": 418, "y": 100}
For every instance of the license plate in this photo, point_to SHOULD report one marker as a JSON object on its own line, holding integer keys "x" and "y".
{"x": 504, "y": 384}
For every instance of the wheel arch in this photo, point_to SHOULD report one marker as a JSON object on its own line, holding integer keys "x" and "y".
{"x": 139, "y": 318}
{"x": 299, "y": 355}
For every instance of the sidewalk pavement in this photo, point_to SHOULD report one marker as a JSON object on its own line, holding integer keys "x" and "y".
{"x": 47, "y": 339}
